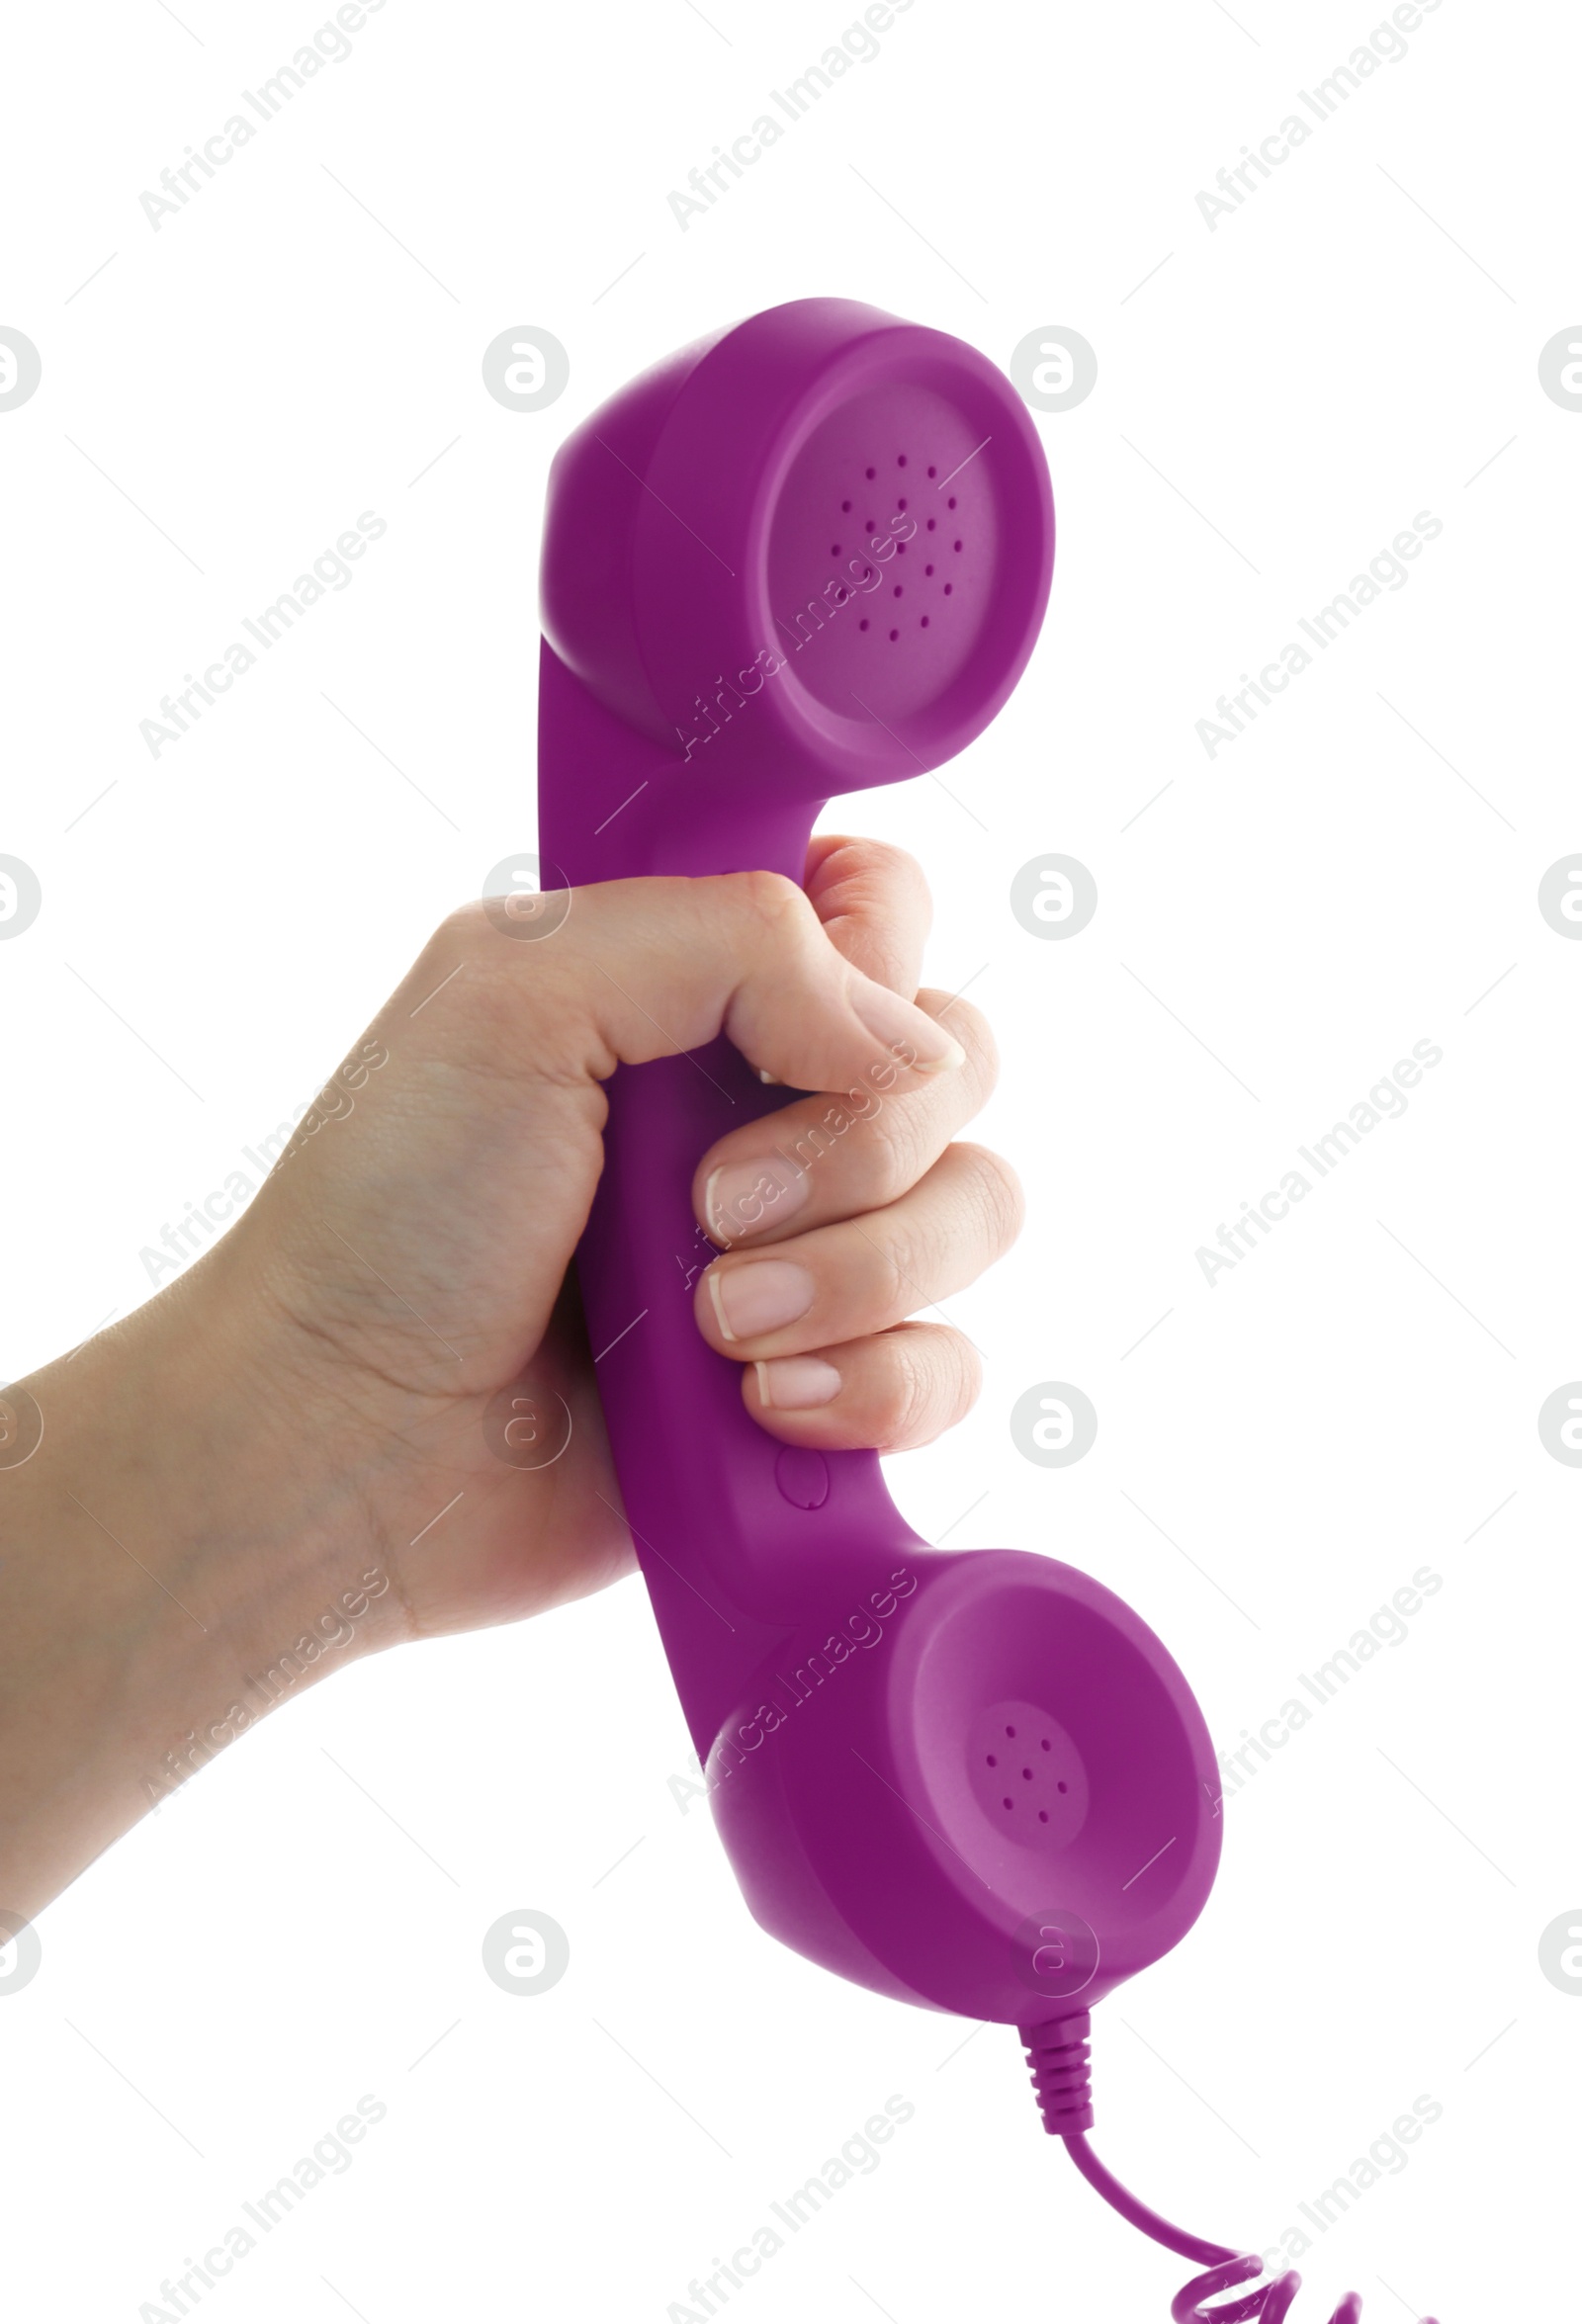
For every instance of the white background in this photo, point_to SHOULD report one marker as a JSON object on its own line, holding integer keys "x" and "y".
{"x": 1356, "y": 343}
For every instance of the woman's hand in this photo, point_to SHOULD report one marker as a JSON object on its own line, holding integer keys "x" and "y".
{"x": 300, "y": 1426}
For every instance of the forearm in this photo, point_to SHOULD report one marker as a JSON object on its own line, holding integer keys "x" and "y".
{"x": 171, "y": 1566}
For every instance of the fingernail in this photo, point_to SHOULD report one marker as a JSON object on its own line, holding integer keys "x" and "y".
{"x": 796, "y": 1383}
{"x": 928, "y": 1048}
{"x": 763, "y": 1297}
{"x": 741, "y": 1197}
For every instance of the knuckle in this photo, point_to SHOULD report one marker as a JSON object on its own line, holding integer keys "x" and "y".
{"x": 769, "y": 898}
{"x": 876, "y": 863}
{"x": 498, "y": 1007}
{"x": 896, "y": 1157}
{"x": 460, "y": 942}
{"x": 807, "y": 1134}
{"x": 467, "y": 924}
{"x": 900, "y": 1264}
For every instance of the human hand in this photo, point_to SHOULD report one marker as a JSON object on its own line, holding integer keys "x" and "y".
{"x": 414, "y": 1255}
{"x": 301, "y": 1420}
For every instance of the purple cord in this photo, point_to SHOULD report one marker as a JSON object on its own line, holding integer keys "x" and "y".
{"x": 1057, "y": 2051}
{"x": 1136, "y": 2212}
{"x": 1268, "y": 2304}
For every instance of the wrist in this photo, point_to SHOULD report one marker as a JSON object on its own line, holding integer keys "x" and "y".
{"x": 176, "y": 1564}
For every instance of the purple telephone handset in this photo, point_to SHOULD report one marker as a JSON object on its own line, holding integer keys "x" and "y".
{"x": 809, "y": 555}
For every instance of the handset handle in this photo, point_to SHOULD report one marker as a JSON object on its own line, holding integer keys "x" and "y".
{"x": 741, "y": 1540}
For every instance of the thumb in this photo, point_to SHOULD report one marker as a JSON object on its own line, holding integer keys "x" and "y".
{"x": 641, "y": 968}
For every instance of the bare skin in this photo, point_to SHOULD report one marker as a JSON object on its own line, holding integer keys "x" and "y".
{"x": 255, "y": 1462}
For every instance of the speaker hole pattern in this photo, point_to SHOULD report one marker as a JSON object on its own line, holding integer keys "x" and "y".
{"x": 871, "y": 528}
